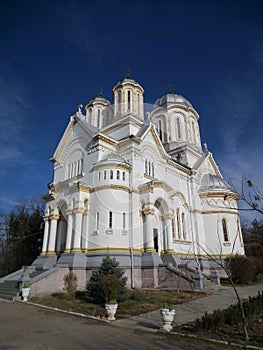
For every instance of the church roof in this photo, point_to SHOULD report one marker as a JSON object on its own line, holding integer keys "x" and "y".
{"x": 211, "y": 182}
{"x": 170, "y": 99}
{"x": 112, "y": 158}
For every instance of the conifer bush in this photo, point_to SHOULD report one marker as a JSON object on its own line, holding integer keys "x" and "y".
{"x": 100, "y": 289}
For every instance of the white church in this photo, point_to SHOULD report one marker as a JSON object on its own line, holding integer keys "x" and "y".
{"x": 138, "y": 186}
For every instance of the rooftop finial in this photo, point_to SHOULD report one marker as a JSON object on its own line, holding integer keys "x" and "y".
{"x": 101, "y": 92}
{"x": 169, "y": 89}
{"x": 128, "y": 74}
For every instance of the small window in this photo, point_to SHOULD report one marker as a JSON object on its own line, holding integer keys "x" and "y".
{"x": 118, "y": 175}
{"x": 129, "y": 100}
{"x": 178, "y": 124}
{"x": 225, "y": 231}
{"x": 110, "y": 219}
{"x": 97, "y": 221}
{"x": 160, "y": 130}
{"x": 105, "y": 174}
{"x": 146, "y": 166}
{"x": 152, "y": 170}
{"x": 123, "y": 176}
{"x": 173, "y": 229}
{"x": 123, "y": 221}
{"x": 98, "y": 118}
{"x": 111, "y": 174}
{"x": 99, "y": 175}
{"x": 178, "y": 223}
{"x": 183, "y": 226}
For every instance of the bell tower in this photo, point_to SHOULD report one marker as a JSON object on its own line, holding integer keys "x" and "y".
{"x": 128, "y": 97}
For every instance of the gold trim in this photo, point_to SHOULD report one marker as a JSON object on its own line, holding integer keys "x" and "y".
{"x": 170, "y": 251}
{"x": 100, "y": 137}
{"x": 49, "y": 197}
{"x": 111, "y": 187}
{"x": 80, "y": 188}
{"x": 43, "y": 253}
{"x": 231, "y": 195}
{"x": 67, "y": 251}
{"x": 113, "y": 166}
{"x": 215, "y": 256}
{"x": 76, "y": 250}
{"x": 150, "y": 249}
{"x": 54, "y": 217}
{"x": 112, "y": 250}
{"x": 51, "y": 252}
{"x": 219, "y": 211}
{"x": 148, "y": 211}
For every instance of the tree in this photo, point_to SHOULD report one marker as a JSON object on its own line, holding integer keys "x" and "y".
{"x": 252, "y": 195}
{"x": 95, "y": 291}
{"x": 23, "y": 231}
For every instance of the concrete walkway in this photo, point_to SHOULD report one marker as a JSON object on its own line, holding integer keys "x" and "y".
{"x": 221, "y": 298}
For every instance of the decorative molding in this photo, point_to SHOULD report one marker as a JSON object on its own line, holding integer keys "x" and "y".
{"x": 54, "y": 217}
{"x": 111, "y": 187}
{"x": 49, "y": 197}
{"x": 113, "y": 250}
{"x": 112, "y": 165}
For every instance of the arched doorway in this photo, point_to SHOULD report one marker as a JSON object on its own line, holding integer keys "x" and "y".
{"x": 61, "y": 228}
{"x": 159, "y": 226}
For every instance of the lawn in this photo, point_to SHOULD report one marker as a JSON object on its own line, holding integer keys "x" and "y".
{"x": 138, "y": 302}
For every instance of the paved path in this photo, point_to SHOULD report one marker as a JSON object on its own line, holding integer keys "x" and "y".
{"x": 23, "y": 326}
{"x": 221, "y": 298}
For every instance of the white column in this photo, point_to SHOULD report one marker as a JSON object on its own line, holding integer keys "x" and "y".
{"x": 85, "y": 227}
{"x": 77, "y": 230}
{"x": 169, "y": 233}
{"x": 53, "y": 234}
{"x": 45, "y": 238}
{"x": 69, "y": 231}
{"x": 149, "y": 244}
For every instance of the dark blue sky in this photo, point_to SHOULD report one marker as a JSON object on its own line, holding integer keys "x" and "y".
{"x": 57, "y": 54}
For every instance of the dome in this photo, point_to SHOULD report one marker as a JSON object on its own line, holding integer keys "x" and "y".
{"x": 212, "y": 182}
{"x": 99, "y": 98}
{"x": 171, "y": 99}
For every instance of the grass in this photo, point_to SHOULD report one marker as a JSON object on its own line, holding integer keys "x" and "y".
{"x": 138, "y": 302}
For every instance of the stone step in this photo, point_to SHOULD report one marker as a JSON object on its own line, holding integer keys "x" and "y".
{"x": 9, "y": 290}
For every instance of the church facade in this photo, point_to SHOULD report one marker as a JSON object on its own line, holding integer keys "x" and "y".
{"x": 139, "y": 187}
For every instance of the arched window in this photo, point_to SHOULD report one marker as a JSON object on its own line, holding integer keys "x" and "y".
{"x": 90, "y": 115}
{"x": 129, "y": 100}
{"x": 225, "y": 230}
{"x": 110, "y": 219}
{"x": 111, "y": 174}
{"x": 118, "y": 175}
{"x": 123, "y": 176}
{"x": 173, "y": 228}
{"x": 119, "y": 101}
{"x": 98, "y": 118}
{"x": 178, "y": 128}
{"x": 97, "y": 221}
{"x": 184, "y": 226}
{"x": 99, "y": 175}
{"x": 146, "y": 166}
{"x": 178, "y": 223}
{"x": 193, "y": 131}
{"x": 152, "y": 170}
{"x": 160, "y": 130}
{"x": 138, "y": 98}
{"x": 123, "y": 221}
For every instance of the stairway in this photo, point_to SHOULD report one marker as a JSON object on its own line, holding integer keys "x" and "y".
{"x": 9, "y": 290}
